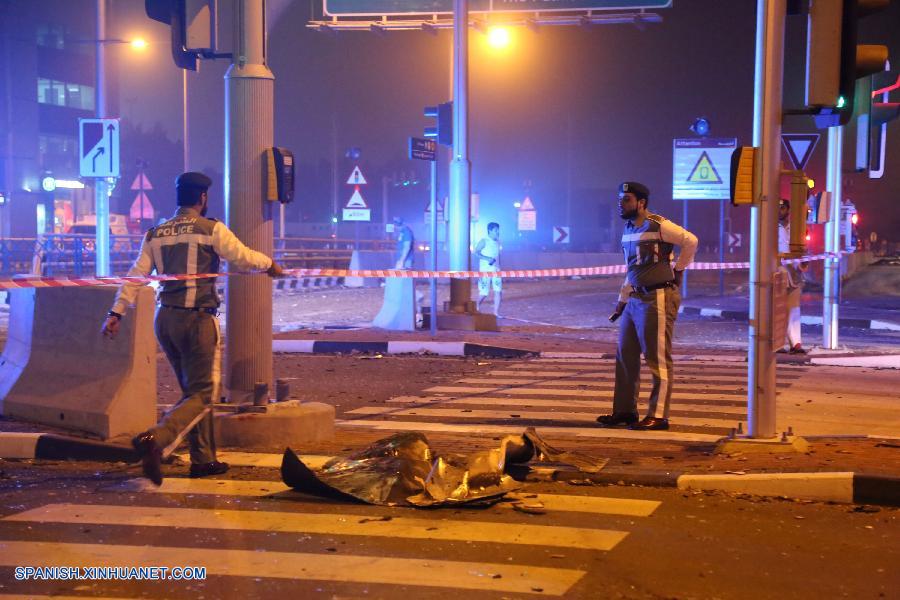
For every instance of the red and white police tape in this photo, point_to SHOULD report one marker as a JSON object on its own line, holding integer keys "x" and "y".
{"x": 34, "y": 281}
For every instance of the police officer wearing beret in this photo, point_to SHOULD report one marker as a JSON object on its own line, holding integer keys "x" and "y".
{"x": 186, "y": 325}
{"x": 648, "y": 305}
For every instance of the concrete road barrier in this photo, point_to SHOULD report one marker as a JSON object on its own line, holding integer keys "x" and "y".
{"x": 59, "y": 370}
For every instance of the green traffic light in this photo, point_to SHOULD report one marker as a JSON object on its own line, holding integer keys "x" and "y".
{"x": 841, "y": 102}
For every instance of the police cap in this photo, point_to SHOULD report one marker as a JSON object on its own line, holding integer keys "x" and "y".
{"x": 193, "y": 179}
{"x": 638, "y": 189}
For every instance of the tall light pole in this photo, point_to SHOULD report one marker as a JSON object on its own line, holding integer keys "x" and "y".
{"x": 767, "y": 109}
{"x": 460, "y": 168}
{"x": 101, "y": 198}
{"x": 249, "y": 131}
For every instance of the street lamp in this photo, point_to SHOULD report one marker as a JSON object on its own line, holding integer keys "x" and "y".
{"x": 498, "y": 37}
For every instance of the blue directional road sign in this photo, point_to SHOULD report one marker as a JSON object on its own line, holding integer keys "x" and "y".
{"x": 701, "y": 168}
{"x": 422, "y": 149}
{"x": 362, "y": 8}
{"x": 98, "y": 146}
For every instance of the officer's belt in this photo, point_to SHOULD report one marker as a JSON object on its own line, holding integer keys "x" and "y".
{"x": 645, "y": 289}
{"x": 207, "y": 309}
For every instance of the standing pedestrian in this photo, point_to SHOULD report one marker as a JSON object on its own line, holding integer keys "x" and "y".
{"x": 488, "y": 252}
{"x": 648, "y": 304}
{"x": 794, "y": 274}
{"x": 405, "y": 244}
{"x": 186, "y": 325}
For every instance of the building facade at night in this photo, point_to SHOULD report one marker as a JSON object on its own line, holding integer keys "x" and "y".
{"x": 47, "y": 83}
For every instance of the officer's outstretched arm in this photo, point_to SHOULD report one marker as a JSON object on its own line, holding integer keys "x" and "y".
{"x": 141, "y": 267}
{"x": 238, "y": 255}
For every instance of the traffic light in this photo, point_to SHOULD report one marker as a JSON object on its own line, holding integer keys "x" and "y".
{"x": 192, "y": 23}
{"x": 833, "y": 68}
{"x": 443, "y": 129}
{"x": 872, "y": 112}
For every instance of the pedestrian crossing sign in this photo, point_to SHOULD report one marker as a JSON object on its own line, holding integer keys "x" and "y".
{"x": 704, "y": 171}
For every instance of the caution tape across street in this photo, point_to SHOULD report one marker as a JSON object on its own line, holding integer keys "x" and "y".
{"x": 33, "y": 281}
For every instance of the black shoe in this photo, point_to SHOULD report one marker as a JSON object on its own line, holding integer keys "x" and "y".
{"x": 797, "y": 349}
{"x": 651, "y": 424}
{"x": 151, "y": 456}
{"x": 617, "y": 419}
{"x": 211, "y": 468}
{"x": 781, "y": 350}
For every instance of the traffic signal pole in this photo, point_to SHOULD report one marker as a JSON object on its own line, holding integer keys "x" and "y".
{"x": 767, "y": 114}
{"x": 249, "y": 131}
{"x": 460, "y": 167}
{"x": 832, "y": 240}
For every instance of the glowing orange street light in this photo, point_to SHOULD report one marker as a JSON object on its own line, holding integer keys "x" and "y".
{"x": 139, "y": 44}
{"x": 498, "y": 37}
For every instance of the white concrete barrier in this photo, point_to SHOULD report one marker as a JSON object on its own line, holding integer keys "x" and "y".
{"x": 59, "y": 370}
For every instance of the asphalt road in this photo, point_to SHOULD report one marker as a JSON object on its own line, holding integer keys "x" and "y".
{"x": 258, "y": 541}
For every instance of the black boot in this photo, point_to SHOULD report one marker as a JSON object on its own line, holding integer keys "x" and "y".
{"x": 151, "y": 456}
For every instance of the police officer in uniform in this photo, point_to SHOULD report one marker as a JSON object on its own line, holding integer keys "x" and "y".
{"x": 648, "y": 304}
{"x": 186, "y": 325}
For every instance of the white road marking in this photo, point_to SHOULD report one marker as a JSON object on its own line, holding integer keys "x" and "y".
{"x": 556, "y": 432}
{"x": 514, "y": 403}
{"x": 263, "y": 489}
{"x": 574, "y": 417}
{"x": 371, "y": 525}
{"x": 302, "y": 566}
{"x": 726, "y": 392}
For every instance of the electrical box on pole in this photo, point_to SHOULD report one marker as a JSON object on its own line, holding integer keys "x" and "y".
{"x": 832, "y": 69}
{"x": 280, "y": 171}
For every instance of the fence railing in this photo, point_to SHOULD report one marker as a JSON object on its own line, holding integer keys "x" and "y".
{"x": 75, "y": 255}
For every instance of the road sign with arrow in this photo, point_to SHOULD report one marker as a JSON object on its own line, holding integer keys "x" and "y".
{"x": 98, "y": 144}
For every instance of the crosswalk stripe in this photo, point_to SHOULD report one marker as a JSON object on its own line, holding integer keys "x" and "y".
{"x": 595, "y": 382}
{"x": 533, "y": 391}
{"x": 498, "y": 428}
{"x": 575, "y": 417}
{"x": 260, "y": 459}
{"x": 495, "y": 577}
{"x": 326, "y": 524}
{"x": 599, "y": 399}
{"x": 702, "y": 375}
{"x": 539, "y": 402}
{"x": 262, "y": 489}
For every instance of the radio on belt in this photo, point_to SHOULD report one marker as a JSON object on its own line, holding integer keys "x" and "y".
{"x": 280, "y": 169}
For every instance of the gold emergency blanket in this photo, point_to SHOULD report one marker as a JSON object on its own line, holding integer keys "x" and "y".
{"x": 403, "y": 469}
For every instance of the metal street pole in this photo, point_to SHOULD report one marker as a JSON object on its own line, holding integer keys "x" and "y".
{"x": 101, "y": 198}
{"x": 684, "y": 275}
{"x": 721, "y": 246}
{"x": 434, "y": 242}
{"x": 186, "y": 149}
{"x": 767, "y": 107}
{"x": 249, "y": 87}
{"x": 832, "y": 274}
{"x": 460, "y": 167}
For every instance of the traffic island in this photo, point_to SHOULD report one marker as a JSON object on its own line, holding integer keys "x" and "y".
{"x": 280, "y": 424}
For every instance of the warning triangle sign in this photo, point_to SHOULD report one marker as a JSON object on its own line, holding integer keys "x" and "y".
{"x": 704, "y": 171}
{"x": 141, "y": 183}
{"x": 356, "y": 177}
{"x": 356, "y": 200}
{"x": 141, "y": 207}
{"x": 799, "y": 147}
{"x": 527, "y": 204}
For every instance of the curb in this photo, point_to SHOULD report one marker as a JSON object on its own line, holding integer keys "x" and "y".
{"x": 403, "y": 347}
{"x": 51, "y": 446}
{"x": 742, "y": 315}
{"x": 841, "y": 487}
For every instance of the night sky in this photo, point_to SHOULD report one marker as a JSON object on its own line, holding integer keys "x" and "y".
{"x": 595, "y": 104}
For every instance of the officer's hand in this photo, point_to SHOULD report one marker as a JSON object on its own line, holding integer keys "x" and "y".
{"x": 275, "y": 270}
{"x": 679, "y": 276}
{"x": 620, "y": 308}
{"x": 110, "y": 327}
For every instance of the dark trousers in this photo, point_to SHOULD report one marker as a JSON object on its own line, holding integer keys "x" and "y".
{"x": 190, "y": 340}
{"x": 646, "y": 327}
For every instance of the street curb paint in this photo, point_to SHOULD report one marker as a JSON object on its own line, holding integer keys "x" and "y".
{"x": 51, "y": 446}
{"x": 743, "y": 316}
{"x": 401, "y": 347}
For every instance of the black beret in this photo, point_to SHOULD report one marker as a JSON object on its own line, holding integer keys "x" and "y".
{"x": 193, "y": 179}
{"x": 638, "y": 189}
